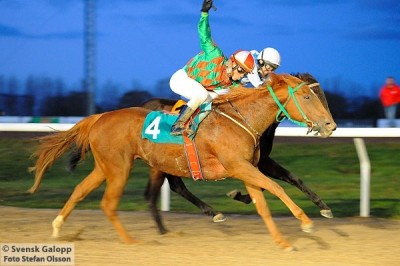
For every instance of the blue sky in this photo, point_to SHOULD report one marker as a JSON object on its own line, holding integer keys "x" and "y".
{"x": 147, "y": 40}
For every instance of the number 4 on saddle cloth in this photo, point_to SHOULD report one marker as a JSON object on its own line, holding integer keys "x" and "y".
{"x": 157, "y": 127}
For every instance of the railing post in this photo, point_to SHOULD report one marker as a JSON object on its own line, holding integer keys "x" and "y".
{"x": 165, "y": 196}
{"x": 365, "y": 176}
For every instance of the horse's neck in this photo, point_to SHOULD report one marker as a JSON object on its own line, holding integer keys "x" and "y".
{"x": 256, "y": 110}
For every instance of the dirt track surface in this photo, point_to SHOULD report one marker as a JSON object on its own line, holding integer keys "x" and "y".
{"x": 196, "y": 240}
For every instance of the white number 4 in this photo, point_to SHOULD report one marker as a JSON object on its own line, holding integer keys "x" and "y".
{"x": 153, "y": 128}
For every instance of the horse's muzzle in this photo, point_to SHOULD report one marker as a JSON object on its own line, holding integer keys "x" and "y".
{"x": 324, "y": 130}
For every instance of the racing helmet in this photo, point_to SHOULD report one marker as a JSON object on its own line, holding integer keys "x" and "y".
{"x": 270, "y": 56}
{"x": 244, "y": 59}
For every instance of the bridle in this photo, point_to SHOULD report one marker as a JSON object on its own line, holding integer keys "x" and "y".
{"x": 282, "y": 107}
{"x": 279, "y": 118}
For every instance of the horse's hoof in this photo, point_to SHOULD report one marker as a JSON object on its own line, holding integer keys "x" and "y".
{"x": 220, "y": 217}
{"x": 163, "y": 231}
{"x": 233, "y": 193}
{"x": 55, "y": 234}
{"x": 290, "y": 249}
{"x": 307, "y": 228}
{"x": 326, "y": 213}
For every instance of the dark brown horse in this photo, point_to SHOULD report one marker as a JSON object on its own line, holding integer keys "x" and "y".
{"x": 227, "y": 151}
{"x": 266, "y": 165}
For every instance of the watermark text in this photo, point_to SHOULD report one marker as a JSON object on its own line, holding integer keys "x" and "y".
{"x": 37, "y": 254}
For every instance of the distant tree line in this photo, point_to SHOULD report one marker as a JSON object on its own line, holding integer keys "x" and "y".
{"x": 43, "y": 96}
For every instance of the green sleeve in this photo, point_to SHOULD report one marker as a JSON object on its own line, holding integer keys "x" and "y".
{"x": 206, "y": 43}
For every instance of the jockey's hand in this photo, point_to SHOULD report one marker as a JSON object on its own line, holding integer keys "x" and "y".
{"x": 207, "y": 4}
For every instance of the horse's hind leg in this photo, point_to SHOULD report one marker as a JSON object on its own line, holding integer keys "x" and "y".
{"x": 117, "y": 175}
{"x": 90, "y": 183}
{"x": 263, "y": 210}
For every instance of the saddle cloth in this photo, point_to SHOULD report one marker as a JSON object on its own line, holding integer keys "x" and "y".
{"x": 157, "y": 125}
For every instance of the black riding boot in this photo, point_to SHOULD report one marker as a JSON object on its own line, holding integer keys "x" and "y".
{"x": 179, "y": 126}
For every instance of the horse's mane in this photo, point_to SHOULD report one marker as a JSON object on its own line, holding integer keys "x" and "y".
{"x": 242, "y": 90}
{"x": 292, "y": 79}
{"x": 310, "y": 79}
{"x": 238, "y": 92}
{"x": 306, "y": 77}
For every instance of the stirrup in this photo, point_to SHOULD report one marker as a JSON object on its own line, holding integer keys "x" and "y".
{"x": 189, "y": 130}
{"x": 177, "y": 130}
{"x": 180, "y": 124}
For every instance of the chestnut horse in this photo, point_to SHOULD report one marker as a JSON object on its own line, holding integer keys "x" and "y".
{"x": 266, "y": 165}
{"x": 227, "y": 141}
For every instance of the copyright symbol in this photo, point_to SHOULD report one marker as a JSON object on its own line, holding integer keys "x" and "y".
{"x": 5, "y": 248}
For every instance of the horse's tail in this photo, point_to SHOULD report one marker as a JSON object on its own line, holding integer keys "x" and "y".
{"x": 55, "y": 145}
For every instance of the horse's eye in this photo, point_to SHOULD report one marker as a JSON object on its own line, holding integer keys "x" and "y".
{"x": 307, "y": 97}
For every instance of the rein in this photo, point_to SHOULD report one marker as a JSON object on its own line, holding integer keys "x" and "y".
{"x": 256, "y": 136}
{"x": 282, "y": 107}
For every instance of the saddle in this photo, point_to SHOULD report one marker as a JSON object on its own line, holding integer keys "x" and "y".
{"x": 157, "y": 127}
{"x": 178, "y": 106}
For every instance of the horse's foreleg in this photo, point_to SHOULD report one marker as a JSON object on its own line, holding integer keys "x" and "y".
{"x": 152, "y": 194}
{"x": 90, "y": 183}
{"x": 237, "y": 195}
{"x": 251, "y": 175}
{"x": 271, "y": 168}
{"x": 178, "y": 186}
{"x": 263, "y": 210}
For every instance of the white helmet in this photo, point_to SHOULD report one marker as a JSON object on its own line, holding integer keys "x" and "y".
{"x": 270, "y": 56}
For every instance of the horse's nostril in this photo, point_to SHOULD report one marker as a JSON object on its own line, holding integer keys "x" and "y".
{"x": 331, "y": 125}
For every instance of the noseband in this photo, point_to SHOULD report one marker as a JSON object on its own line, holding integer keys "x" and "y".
{"x": 282, "y": 107}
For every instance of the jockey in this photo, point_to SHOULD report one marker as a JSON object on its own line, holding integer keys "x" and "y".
{"x": 268, "y": 60}
{"x": 208, "y": 74}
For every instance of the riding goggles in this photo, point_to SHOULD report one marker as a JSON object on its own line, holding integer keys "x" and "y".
{"x": 269, "y": 66}
{"x": 239, "y": 69}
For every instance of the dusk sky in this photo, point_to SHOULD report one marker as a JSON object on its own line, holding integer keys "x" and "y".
{"x": 148, "y": 40}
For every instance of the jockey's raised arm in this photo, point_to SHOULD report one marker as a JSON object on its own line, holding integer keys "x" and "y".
{"x": 208, "y": 71}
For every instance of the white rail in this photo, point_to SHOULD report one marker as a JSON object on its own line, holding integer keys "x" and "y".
{"x": 356, "y": 133}
{"x": 34, "y": 127}
{"x": 280, "y": 131}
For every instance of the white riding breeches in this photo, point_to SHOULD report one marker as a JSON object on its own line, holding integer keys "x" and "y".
{"x": 187, "y": 87}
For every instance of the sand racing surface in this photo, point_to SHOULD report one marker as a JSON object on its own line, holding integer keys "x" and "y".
{"x": 196, "y": 240}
